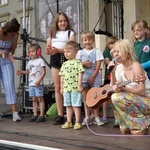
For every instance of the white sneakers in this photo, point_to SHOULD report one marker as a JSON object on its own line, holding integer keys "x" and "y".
{"x": 88, "y": 121}
{"x": 98, "y": 122}
{"x": 16, "y": 116}
{"x": 91, "y": 120}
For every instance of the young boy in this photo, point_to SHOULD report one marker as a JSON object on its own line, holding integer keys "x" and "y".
{"x": 71, "y": 85}
{"x": 36, "y": 70}
{"x": 91, "y": 60}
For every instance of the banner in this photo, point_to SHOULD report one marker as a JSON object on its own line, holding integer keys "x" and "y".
{"x": 48, "y": 10}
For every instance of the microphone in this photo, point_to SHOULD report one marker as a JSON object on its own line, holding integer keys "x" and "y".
{"x": 111, "y": 67}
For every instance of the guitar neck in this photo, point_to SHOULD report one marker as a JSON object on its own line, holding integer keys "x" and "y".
{"x": 124, "y": 83}
{"x": 120, "y": 85}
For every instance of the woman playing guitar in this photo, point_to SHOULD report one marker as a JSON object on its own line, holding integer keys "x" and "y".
{"x": 131, "y": 103}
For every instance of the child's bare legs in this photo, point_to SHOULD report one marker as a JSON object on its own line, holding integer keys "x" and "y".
{"x": 97, "y": 120}
{"x": 42, "y": 105}
{"x": 70, "y": 111}
{"x": 68, "y": 124}
{"x": 35, "y": 106}
{"x": 77, "y": 111}
{"x": 105, "y": 110}
{"x": 35, "y": 109}
{"x": 105, "y": 107}
{"x": 58, "y": 96}
{"x": 87, "y": 110}
{"x": 96, "y": 112}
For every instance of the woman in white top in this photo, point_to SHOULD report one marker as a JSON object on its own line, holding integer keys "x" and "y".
{"x": 60, "y": 33}
{"x": 131, "y": 103}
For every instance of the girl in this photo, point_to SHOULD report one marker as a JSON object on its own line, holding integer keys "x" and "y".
{"x": 140, "y": 31}
{"x": 60, "y": 33}
{"x": 107, "y": 58}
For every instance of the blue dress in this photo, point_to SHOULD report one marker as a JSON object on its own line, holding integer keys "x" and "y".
{"x": 7, "y": 73}
{"x": 89, "y": 71}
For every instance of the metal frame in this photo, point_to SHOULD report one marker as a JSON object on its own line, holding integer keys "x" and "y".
{"x": 25, "y": 37}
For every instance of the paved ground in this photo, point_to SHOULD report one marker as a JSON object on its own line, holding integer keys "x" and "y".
{"x": 52, "y": 136}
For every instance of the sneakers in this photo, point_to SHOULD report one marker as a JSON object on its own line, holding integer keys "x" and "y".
{"x": 67, "y": 125}
{"x": 33, "y": 118}
{"x": 58, "y": 120}
{"x": 16, "y": 116}
{"x": 77, "y": 126}
{"x": 98, "y": 122}
{"x": 105, "y": 120}
{"x": 116, "y": 124}
{"x": 40, "y": 119}
{"x": 88, "y": 121}
{"x": 37, "y": 119}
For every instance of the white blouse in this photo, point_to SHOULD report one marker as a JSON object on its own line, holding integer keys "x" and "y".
{"x": 119, "y": 73}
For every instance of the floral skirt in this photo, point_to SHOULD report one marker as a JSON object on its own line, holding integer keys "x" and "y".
{"x": 132, "y": 111}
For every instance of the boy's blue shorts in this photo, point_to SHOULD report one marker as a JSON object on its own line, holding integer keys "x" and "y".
{"x": 72, "y": 99}
{"x": 36, "y": 91}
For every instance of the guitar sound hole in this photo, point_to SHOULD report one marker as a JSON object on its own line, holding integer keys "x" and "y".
{"x": 104, "y": 92}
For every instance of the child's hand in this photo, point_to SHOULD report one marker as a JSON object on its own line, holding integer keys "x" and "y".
{"x": 49, "y": 49}
{"x": 91, "y": 80}
{"x": 61, "y": 91}
{"x": 80, "y": 89}
{"x": 87, "y": 64}
{"x": 18, "y": 72}
{"x": 37, "y": 83}
{"x": 54, "y": 51}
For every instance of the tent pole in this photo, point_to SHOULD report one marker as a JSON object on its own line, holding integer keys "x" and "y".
{"x": 24, "y": 39}
{"x": 78, "y": 9}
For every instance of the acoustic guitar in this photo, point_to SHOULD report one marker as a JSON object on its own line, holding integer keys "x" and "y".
{"x": 97, "y": 96}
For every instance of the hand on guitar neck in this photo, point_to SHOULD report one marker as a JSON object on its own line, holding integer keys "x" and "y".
{"x": 97, "y": 96}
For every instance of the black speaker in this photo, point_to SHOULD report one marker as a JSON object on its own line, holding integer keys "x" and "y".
{"x": 49, "y": 98}
{"x": 27, "y": 104}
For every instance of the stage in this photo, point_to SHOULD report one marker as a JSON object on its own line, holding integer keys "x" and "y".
{"x": 52, "y": 136}
{"x": 30, "y": 135}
